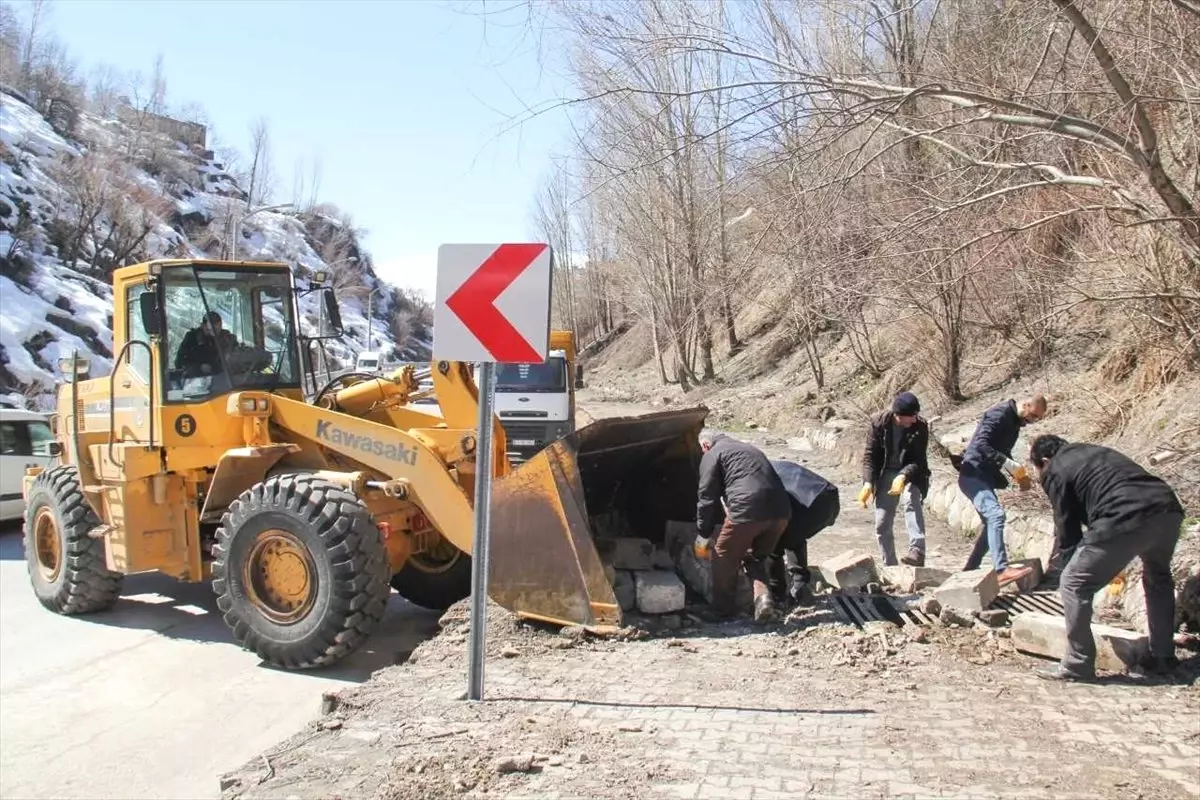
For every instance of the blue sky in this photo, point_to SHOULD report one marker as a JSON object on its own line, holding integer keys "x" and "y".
{"x": 402, "y": 100}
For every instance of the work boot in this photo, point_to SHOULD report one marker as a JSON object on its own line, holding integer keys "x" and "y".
{"x": 1155, "y": 665}
{"x": 915, "y": 558}
{"x": 802, "y": 595}
{"x": 765, "y": 609}
{"x": 1012, "y": 574}
{"x": 1063, "y": 675}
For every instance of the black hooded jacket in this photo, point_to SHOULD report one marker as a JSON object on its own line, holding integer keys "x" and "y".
{"x": 741, "y": 474}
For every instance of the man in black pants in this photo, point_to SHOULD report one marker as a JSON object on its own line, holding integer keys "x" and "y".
{"x": 815, "y": 506}
{"x": 1128, "y": 513}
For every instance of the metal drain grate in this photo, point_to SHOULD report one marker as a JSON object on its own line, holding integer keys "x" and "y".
{"x": 859, "y": 609}
{"x": 1042, "y": 602}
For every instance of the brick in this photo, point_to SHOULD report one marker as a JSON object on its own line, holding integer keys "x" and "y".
{"x": 1046, "y": 635}
{"x": 659, "y": 592}
{"x": 626, "y": 591}
{"x": 914, "y": 579}
{"x": 971, "y": 591}
{"x": 850, "y": 570}
{"x": 627, "y": 552}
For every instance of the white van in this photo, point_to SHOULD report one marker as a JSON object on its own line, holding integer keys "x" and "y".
{"x": 368, "y": 361}
{"x": 25, "y": 440}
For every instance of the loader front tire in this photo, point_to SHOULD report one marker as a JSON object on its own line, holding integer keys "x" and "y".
{"x": 66, "y": 566}
{"x": 435, "y": 580}
{"x": 300, "y": 571}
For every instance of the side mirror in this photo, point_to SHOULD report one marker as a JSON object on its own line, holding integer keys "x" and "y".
{"x": 151, "y": 318}
{"x": 579, "y": 376}
{"x": 54, "y": 448}
{"x": 333, "y": 312}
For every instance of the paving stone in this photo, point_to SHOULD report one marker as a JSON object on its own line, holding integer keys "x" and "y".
{"x": 1046, "y": 635}
{"x": 994, "y": 617}
{"x": 971, "y": 591}
{"x": 914, "y": 579}
{"x": 1033, "y": 579}
{"x": 661, "y": 559}
{"x": 626, "y": 591}
{"x": 849, "y": 570}
{"x": 659, "y": 592}
{"x": 627, "y": 552}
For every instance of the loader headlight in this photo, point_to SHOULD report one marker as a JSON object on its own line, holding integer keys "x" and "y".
{"x": 254, "y": 404}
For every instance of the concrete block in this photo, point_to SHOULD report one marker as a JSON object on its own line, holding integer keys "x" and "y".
{"x": 697, "y": 574}
{"x": 850, "y": 570}
{"x": 679, "y": 535}
{"x": 661, "y": 559}
{"x": 914, "y": 579}
{"x": 625, "y": 590}
{"x": 1033, "y": 579}
{"x": 659, "y": 592}
{"x": 1046, "y": 635}
{"x": 970, "y": 591}
{"x": 626, "y": 552}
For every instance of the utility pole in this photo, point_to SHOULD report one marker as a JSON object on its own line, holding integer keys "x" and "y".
{"x": 369, "y": 317}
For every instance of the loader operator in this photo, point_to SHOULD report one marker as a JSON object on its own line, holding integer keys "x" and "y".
{"x": 197, "y": 354}
{"x": 737, "y": 477}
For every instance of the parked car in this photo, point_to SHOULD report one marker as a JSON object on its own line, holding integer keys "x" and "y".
{"x": 25, "y": 440}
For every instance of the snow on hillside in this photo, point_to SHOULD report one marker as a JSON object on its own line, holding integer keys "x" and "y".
{"x": 60, "y": 238}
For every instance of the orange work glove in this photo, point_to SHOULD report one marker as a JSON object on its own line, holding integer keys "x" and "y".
{"x": 702, "y": 548}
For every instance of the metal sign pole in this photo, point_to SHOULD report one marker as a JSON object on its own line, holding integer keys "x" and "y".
{"x": 483, "y": 520}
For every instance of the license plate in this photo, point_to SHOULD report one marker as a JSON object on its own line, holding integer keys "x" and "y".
{"x": 523, "y": 442}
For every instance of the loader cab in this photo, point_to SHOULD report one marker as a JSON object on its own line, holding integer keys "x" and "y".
{"x": 217, "y": 328}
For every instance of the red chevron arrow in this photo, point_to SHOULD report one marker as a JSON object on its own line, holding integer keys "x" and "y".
{"x": 474, "y": 302}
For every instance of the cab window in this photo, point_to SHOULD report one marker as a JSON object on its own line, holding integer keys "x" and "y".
{"x": 137, "y": 357}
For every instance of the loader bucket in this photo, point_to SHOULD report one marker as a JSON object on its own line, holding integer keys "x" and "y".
{"x": 624, "y": 476}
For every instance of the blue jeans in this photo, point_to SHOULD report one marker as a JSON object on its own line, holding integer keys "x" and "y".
{"x": 885, "y": 516}
{"x": 987, "y": 505}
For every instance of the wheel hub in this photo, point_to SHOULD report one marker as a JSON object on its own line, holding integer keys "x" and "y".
{"x": 47, "y": 544}
{"x": 281, "y": 576}
{"x": 439, "y": 558}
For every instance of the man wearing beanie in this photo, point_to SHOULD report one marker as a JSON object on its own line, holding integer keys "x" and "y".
{"x": 896, "y": 472}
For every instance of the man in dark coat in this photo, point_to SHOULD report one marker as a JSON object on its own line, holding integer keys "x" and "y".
{"x": 815, "y": 506}
{"x": 987, "y": 464}
{"x": 198, "y": 352}
{"x": 737, "y": 478}
{"x": 895, "y": 471}
{"x": 1128, "y": 513}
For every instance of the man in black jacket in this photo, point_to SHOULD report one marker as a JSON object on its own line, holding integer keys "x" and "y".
{"x": 1128, "y": 513}
{"x": 987, "y": 464}
{"x": 736, "y": 477}
{"x": 198, "y": 352}
{"x": 815, "y": 506}
{"x": 895, "y": 471}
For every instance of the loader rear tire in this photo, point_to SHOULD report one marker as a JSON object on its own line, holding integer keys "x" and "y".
{"x": 300, "y": 571}
{"x": 66, "y": 566}
{"x": 435, "y": 583}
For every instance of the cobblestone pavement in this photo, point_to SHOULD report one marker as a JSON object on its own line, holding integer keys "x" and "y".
{"x": 805, "y": 710}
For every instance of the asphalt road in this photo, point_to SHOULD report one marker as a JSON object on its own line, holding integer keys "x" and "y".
{"x": 153, "y": 698}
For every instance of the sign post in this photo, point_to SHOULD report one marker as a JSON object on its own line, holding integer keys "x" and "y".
{"x": 493, "y": 307}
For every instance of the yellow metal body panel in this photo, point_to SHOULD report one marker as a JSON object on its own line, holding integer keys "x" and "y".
{"x": 390, "y": 452}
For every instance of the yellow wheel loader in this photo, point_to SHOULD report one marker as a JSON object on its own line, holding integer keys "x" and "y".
{"x": 202, "y": 457}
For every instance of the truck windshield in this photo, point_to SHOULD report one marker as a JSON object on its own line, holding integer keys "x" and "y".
{"x": 549, "y": 376}
{"x": 227, "y": 329}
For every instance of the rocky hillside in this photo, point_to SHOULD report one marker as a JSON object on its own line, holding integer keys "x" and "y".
{"x": 82, "y": 195}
